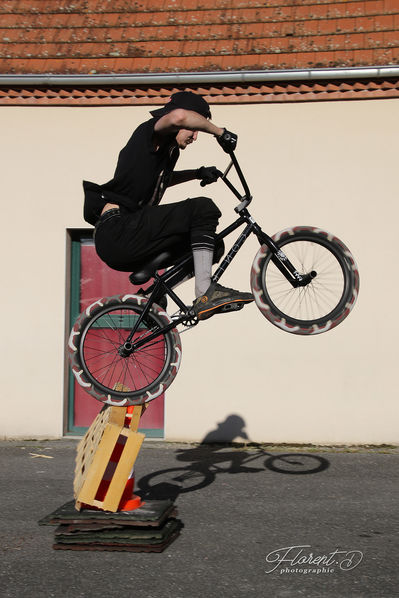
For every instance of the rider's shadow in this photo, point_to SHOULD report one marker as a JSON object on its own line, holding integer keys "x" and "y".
{"x": 215, "y": 455}
{"x": 212, "y": 449}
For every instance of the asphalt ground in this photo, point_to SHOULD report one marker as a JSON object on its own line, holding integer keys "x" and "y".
{"x": 258, "y": 521}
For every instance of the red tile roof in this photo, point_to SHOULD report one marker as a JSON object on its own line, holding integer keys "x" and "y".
{"x": 285, "y": 91}
{"x": 121, "y": 36}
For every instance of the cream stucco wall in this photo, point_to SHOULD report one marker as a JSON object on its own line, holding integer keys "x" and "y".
{"x": 332, "y": 165}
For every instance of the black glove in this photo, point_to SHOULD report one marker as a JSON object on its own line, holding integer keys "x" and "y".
{"x": 227, "y": 141}
{"x": 208, "y": 175}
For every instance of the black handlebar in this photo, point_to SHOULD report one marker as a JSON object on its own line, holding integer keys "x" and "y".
{"x": 227, "y": 141}
{"x": 247, "y": 197}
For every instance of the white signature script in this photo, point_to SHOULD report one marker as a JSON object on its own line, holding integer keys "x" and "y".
{"x": 291, "y": 556}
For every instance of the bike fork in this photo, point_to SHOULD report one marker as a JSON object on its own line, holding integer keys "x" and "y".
{"x": 281, "y": 261}
{"x": 295, "y": 278}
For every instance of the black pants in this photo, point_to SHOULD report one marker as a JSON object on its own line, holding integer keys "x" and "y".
{"x": 128, "y": 239}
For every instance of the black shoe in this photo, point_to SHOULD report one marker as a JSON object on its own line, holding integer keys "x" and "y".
{"x": 218, "y": 299}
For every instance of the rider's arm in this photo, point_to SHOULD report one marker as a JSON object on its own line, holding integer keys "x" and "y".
{"x": 178, "y": 119}
{"x": 182, "y": 176}
{"x": 206, "y": 174}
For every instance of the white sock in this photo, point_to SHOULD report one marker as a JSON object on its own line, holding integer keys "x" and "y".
{"x": 203, "y": 259}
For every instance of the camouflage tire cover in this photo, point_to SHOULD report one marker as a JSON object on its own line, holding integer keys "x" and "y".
{"x": 351, "y": 281}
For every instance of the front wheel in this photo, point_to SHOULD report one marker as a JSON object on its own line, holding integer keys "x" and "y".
{"x": 325, "y": 301}
{"x": 108, "y": 373}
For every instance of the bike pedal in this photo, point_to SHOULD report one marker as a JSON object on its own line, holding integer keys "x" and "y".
{"x": 231, "y": 307}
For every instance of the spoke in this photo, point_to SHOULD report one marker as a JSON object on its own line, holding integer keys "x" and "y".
{"x": 137, "y": 364}
{"x": 320, "y": 296}
{"x": 143, "y": 351}
{"x": 147, "y": 367}
{"x": 103, "y": 336}
{"x": 125, "y": 368}
{"x": 99, "y": 355}
{"x": 100, "y": 369}
{"x": 110, "y": 378}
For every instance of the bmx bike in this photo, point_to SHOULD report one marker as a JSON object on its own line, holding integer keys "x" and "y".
{"x": 126, "y": 350}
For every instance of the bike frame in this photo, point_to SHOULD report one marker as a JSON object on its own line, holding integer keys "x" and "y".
{"x": 295, "y": 278}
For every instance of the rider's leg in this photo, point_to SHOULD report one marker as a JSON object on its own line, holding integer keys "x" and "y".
{"x": 203, "y": 219}
{"x": 202, "y": 234}
{"x": 133, "y": 237}
{"x": 188, "y": 224}
{"x": 210, "y": 297}
{"x": 203, "y": 259}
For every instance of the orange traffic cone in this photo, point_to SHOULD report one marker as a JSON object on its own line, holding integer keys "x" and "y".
{"x": 129, "y": 500}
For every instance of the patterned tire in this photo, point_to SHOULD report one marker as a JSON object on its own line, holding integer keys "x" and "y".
{"x": 97, "y": 364}
{"x": 321, "y": 305}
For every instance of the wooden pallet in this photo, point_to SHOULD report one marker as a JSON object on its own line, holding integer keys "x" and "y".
{"x": 110, "y": 433}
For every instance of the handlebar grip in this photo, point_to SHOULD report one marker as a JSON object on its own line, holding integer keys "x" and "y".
{"x": 227, "y": 141}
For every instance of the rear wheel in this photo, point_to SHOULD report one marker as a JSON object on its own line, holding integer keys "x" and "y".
{"x": 325, "y": 301}
{"x": 114, "y": 376}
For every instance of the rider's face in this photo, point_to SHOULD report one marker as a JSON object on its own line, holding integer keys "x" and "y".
{"x": 185, "y": 137}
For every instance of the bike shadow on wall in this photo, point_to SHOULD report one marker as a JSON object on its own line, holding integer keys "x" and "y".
{"x": 221, "y": 452}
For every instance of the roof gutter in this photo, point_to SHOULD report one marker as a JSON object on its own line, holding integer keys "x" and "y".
{"x": 186, "y": 78}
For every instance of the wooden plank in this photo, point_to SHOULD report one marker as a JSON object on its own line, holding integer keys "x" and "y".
{"x": 117, "y": 415}
{"x": 99, "y": 464}
{"x": 136, "y": 414}
{"x": 87, "y": 448}
{"x": 122, "y": 471}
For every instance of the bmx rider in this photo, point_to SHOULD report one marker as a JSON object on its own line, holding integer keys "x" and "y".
{"x": 131, "y": 227}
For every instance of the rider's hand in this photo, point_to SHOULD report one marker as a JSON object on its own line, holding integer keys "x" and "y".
{"x": 227, "y": 141}
{"x": 208, "y": 175}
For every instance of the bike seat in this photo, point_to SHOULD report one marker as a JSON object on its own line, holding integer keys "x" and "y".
{"x": 148, "y": 269}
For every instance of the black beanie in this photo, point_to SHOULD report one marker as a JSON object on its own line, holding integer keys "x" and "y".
{"x": 186, "y": 100}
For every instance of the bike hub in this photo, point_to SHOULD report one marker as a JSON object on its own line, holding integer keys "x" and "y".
{"x": 306, "y": 279}
{"x": 125, "y": 350}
